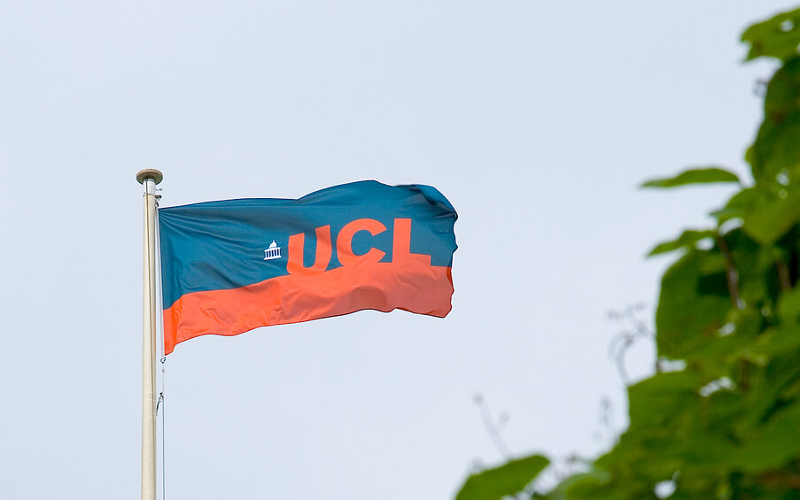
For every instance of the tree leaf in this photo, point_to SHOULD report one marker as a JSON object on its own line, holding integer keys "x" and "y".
{"x": 578, "y": 486}
{"x": 775, "y": 151}
{"x": 789, "y": 307}
{"x": 739, "y": 204}
{"x": 507, "y": 479}
{"x": 776, "y": 37}
{"x": 694, "y": 176}
{"x": 687, "y": 238}
{"x": 776, "y": 341}
{"x": 692, "y": 305}
{"x": 769, "y": 221}
{"x": 659, "y": 399}
{"x": 773, "y": 446}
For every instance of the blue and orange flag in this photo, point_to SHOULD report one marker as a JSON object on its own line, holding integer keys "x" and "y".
{"x": 230, "y": 266}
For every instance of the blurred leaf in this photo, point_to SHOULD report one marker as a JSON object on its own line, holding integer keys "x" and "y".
{"x": 687, "y": 238}
{"x": 775, "y": 341}
{"x": 692, "y": 306}
{"x": 722, "y": 352}
{"x": 655, "y": 401}
{"x": 592, "y": 485}
{"x": 769, "y": 221}
{"x": 789, "y": 307}
{"x": 694, "y": 176}
{"x": 508, "y": 479}
{"x": 752, "y": 264}
{"x": 776, "y": 37}
{"x": 775, "y": 151}
{"x": 739, "y": 205}
{"x": 775, "y": 444}
{"x": 768, "y": 395}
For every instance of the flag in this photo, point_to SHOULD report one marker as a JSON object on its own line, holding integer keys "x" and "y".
{"x": 230, "y": 266}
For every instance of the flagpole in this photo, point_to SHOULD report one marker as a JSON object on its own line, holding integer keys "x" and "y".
{"x": 148, "y": 179}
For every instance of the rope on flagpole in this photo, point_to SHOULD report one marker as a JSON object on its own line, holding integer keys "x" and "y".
{"x": 163, "y": 429}
{"x": 163, "y": 360}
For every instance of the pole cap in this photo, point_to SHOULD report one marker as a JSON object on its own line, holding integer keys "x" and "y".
{"x": 149, "y": 173}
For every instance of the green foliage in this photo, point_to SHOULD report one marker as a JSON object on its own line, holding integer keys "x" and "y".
{"x": 577, "y": 486}
{"x": 776, "y": 37}
{"x": 774, "y": 155}
{"x": 726, "y": 424}
{"x": 694, "y": 176}
{"x": 506, "y": 480}
{"x": 688, "y": 238}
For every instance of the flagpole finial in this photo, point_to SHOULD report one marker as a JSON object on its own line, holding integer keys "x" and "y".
{"x": 149, "y": 173}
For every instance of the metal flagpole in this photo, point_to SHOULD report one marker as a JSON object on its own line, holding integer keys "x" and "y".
{"x": 149, "y": 178}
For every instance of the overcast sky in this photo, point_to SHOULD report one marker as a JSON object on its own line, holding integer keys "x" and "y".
{"x": 536, "y": 119}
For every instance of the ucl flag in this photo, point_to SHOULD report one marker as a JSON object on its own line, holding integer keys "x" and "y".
{"x": 230, "y": 266}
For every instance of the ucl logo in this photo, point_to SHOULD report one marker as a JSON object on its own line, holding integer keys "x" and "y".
{"x": 401, "y": 244}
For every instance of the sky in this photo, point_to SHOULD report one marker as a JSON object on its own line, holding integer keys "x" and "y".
{"x": 538, "y": 120}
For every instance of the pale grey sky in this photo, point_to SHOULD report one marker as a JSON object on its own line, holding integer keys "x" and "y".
{"x": 536, "y": 119}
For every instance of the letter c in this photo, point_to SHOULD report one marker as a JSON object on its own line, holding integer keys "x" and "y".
{"x": 344, "y": 242}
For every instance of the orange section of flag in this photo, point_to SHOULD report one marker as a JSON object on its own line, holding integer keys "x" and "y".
{"x": 409, "y": 283}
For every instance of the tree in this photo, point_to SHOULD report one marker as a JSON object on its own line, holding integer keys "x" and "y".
{"x": 721, "y": 417}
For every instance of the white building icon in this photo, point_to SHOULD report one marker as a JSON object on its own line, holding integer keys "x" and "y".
{"x": 273, "y": 252}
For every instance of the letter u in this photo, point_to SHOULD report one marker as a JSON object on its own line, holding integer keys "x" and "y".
{"x": 323, "y": 254}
